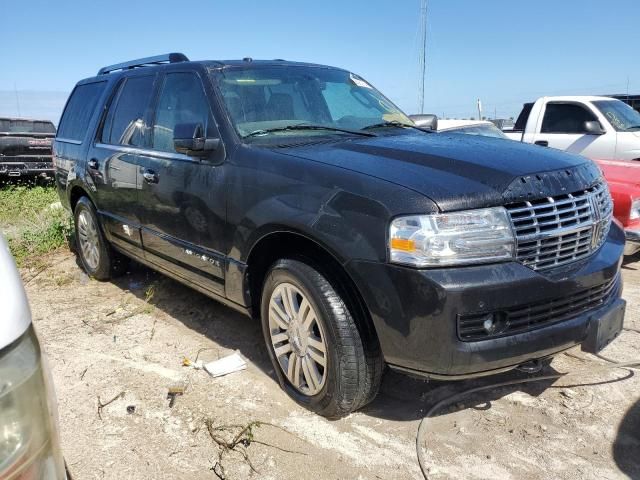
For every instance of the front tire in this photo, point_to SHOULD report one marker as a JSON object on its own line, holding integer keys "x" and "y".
{"x": 313, "y": 341}
{"x": 99, "y": 260}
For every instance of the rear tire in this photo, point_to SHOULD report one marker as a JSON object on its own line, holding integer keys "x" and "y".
{"x": 99, "y": 260}
{"x": 314, "y": 343}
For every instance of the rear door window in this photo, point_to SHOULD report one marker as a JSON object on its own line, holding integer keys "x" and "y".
{"x": 77, "y": 114}
{"x": 565, "y": 118}
{"x": 182, "y": 100}
{"x": 126, "y": 120}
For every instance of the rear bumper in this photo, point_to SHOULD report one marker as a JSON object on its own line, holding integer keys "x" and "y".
{"x": 26, "y": 167}
{"x": 632, "y": 244}
{"x": 416, "y": 312}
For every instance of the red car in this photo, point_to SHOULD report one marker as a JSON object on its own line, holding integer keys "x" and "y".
{"x": 624, "y": 184}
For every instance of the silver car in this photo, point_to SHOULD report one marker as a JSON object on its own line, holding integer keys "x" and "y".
{"x": 29, "y": 441}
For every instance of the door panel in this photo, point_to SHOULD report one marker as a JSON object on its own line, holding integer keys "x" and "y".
{"x": 592, "y": 146}
{"x": 183, "y": 213}
{"x": 115, "y": 178}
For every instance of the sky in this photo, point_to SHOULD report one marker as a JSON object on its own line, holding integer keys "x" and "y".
{"x": 503, "y": 52}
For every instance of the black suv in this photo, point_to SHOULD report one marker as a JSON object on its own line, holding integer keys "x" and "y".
{"x": 25, "y": 147}
{"x": 299, "y": 194}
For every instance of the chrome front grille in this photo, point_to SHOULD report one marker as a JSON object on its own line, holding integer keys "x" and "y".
{"x": 557, "y": 230}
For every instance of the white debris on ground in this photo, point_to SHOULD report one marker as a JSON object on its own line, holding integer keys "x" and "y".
{"x": 226, "y": 365}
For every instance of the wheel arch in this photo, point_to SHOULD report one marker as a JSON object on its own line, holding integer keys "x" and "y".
{"x": 287, "y": 243}
{"x": 75, "y": 193}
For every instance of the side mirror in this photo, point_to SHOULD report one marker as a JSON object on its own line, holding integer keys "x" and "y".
{"x": 426, "y": 121}
{"x": 593, "y": 127}
{"x": 189, "y": 139}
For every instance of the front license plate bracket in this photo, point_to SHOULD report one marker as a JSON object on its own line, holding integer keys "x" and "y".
{"x": 604, "y": 329}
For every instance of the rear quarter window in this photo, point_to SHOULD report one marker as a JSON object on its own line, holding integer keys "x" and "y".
{"x": 77, "y": 114}
{"x": 521, "y": 122}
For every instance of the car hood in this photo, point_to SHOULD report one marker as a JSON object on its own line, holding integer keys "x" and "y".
{"x": 626, "y": 173}
{"x": 458, "y": 171}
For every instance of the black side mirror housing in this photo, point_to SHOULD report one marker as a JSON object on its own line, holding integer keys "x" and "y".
{"x": 189, "y": 139}
{"x": 425, "y": 121}
{"x": 593, "y": 127}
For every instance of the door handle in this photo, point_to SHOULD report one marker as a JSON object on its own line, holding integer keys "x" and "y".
{"x": 150, "y": 176}
{"x": 542, "y": 143}
{"x": 93, "y": 164}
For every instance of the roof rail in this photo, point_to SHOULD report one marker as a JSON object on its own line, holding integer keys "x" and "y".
{"x": 142, "y": 62}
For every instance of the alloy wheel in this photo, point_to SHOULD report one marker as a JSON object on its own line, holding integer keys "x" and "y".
{"x": 89, "y": 241}
{"x": 298, "y": 339}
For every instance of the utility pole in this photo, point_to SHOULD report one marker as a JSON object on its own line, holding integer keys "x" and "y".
{"x": 15, "y": 89}
{"x": 423, "y": 53}
{"x": 479, "y": 110}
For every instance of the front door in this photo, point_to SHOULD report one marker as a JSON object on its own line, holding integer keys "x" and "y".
{"x": 113, "y": 160}
{"x": 182, "y": 198}
{"x": 563, "y": 128}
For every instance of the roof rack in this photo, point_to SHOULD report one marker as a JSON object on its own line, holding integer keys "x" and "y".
{"x": 143, "y": 62}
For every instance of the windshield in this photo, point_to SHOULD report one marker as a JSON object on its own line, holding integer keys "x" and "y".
{"x": 621, "y": 116}
{"x": 266, "y": 100}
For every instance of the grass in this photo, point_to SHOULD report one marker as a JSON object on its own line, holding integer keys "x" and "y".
{"x": 33, "y": 221}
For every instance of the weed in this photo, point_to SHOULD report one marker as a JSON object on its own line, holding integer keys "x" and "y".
{"x": 63, "y": 280}
{"x": 238, "y": 438}
{"x": 33, "y": 221}
{"x": 20, "y": 203}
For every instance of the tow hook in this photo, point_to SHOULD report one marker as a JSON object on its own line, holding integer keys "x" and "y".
{"x": 532, "y": 366}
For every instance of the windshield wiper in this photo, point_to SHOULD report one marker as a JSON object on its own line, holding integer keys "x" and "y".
{"x": 306, "y": 127}
{"x": 631, "y": 127}
{"x": 395, "y": 124}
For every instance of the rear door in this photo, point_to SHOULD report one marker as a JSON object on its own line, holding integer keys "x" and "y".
{"x": 562, "y": 127}
{"x": 182, "y": 198}
{"x": 114, "y": 158}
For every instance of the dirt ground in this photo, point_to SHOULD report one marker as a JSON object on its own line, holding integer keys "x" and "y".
{"x": 123, "y": 343}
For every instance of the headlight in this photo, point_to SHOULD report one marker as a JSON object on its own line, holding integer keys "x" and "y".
{"x": 458, "y": 238}
{"x": 635, "y": 209}
{"x": 28, "y": 436}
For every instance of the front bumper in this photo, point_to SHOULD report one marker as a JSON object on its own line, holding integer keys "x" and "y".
{"x": 632, "y": 244}
{"x": 415, "y": 312}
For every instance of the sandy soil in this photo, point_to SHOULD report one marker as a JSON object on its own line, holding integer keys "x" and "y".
{"x": 126, "y": 340}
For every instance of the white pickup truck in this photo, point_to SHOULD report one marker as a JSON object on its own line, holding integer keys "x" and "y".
{"x": 600, "y": 128}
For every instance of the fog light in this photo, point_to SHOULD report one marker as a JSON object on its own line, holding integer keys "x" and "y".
{"x": 489, "y": 324}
